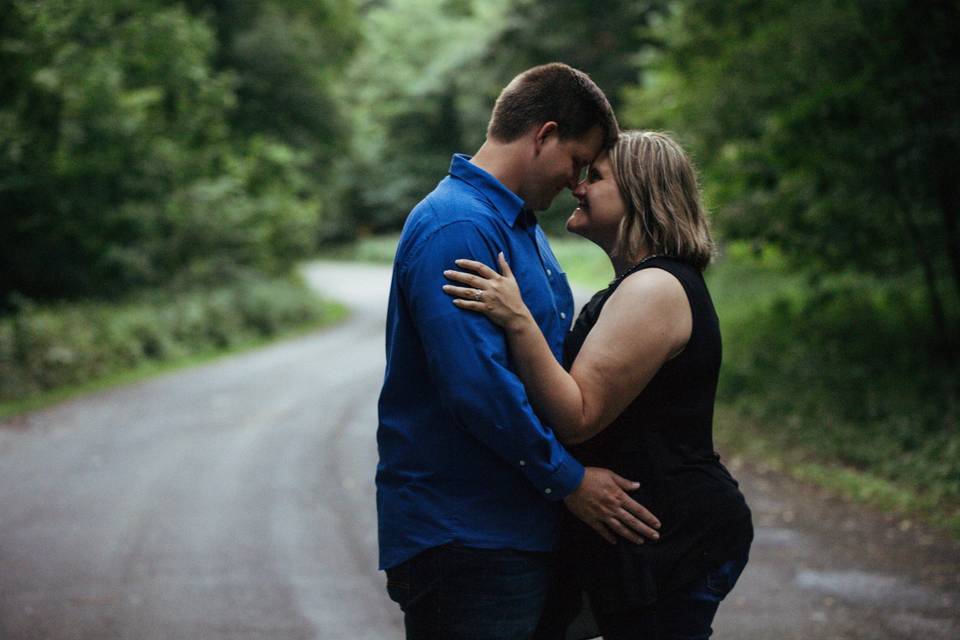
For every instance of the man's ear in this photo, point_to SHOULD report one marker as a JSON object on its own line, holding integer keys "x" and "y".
{"x": 546, "y": 130}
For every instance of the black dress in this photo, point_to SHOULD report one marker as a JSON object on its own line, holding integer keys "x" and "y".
{"x": 664, "y": 441}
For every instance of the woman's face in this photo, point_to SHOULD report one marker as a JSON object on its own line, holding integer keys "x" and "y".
{"x": 601, "y": 206}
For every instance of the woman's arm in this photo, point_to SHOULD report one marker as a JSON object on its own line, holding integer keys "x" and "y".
{"x": 644, "y": 323}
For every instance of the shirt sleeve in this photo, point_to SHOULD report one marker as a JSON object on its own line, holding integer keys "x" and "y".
{"x": 468, "y": 359}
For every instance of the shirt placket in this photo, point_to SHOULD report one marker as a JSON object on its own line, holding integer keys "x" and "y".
{"x": 554, "y": 337}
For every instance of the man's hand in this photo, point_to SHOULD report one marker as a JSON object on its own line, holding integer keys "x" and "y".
{"x": 602, "y": 502}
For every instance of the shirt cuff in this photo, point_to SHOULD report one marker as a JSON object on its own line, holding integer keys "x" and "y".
{"x": 564, "y": 480}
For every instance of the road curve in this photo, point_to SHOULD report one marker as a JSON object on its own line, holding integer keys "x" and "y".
{"x": 235, "y": 500}
{"x": 232, "y": 500}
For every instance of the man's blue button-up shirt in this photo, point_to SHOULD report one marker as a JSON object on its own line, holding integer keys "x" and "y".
{"x": 463, "y": 457}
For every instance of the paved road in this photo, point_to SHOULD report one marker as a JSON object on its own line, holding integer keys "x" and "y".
{"x": 235, "y": 500}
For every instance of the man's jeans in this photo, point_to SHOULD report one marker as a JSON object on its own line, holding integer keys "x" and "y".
{"x": 459, "y": 593}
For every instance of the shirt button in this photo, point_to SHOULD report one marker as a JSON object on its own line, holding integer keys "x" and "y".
{"x": 523, "y": 463}
{"x": 549, "y": 273}
{"x": 548, "y": 490}
{"x": 563, "y": 316}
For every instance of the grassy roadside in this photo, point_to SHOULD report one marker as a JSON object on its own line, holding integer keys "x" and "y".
{"x": 739, "y": 434}
{"x": 64, "y": 351}
{"x": 333, "y": 313}
{"x": 784, "y": 389}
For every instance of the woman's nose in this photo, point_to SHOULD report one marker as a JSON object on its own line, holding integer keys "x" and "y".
{"x": 580, "y": 189}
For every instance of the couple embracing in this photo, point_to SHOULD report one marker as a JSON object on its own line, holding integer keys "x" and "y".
{"x": 537, "y": 480}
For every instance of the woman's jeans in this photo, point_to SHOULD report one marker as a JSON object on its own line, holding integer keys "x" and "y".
{"x": 685, "y": 615}
{"x": 459, "y": 593}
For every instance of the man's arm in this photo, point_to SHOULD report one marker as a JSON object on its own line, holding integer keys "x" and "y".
{"x": 467, "y": 357}
{"x": 468, "y": 362}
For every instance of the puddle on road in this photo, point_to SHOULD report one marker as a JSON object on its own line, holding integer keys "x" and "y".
{"x": 914, "y": 626}
{"x": 775, "y": 536}
{"x": 869, "y": 588}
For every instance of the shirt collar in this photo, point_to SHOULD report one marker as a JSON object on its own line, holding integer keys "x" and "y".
{"x": 508, "y": 204}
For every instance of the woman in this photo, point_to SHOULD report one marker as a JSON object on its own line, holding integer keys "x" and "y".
{"x": 635, "y": 395}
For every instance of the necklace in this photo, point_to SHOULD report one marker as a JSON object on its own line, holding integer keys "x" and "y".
{"x": 627, "y": 272}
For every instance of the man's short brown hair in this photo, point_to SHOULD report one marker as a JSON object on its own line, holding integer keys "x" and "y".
{"x": 552, "y": 92}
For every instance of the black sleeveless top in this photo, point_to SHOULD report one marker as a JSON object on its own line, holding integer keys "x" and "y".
{"x": 663, "y": 440}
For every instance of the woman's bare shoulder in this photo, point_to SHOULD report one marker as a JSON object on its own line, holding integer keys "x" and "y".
{"x": 650, "y": 287}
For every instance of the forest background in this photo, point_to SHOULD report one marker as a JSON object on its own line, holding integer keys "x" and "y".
{"x": 165, "y": 165}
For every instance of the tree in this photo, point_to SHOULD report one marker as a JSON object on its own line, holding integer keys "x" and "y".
{"x": 429, "y": 71}
{"x": 829, "y": 128}
{"x": 96, "y": 116}
{"x": 414, "y": 98}
{"x": 607, "y": 43}
{"x": 135, "y": 150}
{"x": 286, "y": 56}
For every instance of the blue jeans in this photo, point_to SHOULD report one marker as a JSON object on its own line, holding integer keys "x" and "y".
{"x": 459, "y": 593}
{"x": 684, "y": 615}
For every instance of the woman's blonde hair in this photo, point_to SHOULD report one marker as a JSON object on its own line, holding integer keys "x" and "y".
{"x": 665, "y": 214}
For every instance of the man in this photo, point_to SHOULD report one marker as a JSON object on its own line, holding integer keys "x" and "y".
{"x": 470, "y": 482}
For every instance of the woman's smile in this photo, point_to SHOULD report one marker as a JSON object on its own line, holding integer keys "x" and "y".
{"x": 601, "y": 206}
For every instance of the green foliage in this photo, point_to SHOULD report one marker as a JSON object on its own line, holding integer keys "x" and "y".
{"x": 586, "y": 265}
{"x": 49, "y": 347}
{"x": 414, "y": 99}
{"x": 248, "y": 218}
{"x": 606, "y": 43}
{"x": 371, "y": 249}
{"x": 286, "y": 56}
{"x": 838, "y": 372}
{"x": 426, "y": 77}
{"x": 742, "y": 436}
{"x": 142, "y": 144}
{"x": 94, "y": 119}
{"x": 827, "y": 128}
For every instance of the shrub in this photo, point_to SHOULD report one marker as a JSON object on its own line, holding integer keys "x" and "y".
{"x": 46, "y": 347}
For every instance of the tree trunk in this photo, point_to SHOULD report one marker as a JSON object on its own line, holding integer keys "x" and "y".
{"x": 949, "y": 201}
{"x": 915, "y": 237}
{"x": 929, "y": 276}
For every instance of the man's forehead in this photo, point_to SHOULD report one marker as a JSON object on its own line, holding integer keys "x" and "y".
{"x": 590, "y": 144}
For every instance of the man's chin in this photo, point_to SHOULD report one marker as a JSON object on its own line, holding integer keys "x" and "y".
{"x": 543, "y": 205}
{"x": 547, "y": 201}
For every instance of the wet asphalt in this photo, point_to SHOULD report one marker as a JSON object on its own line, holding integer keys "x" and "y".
{"x": 235, "y": 500}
